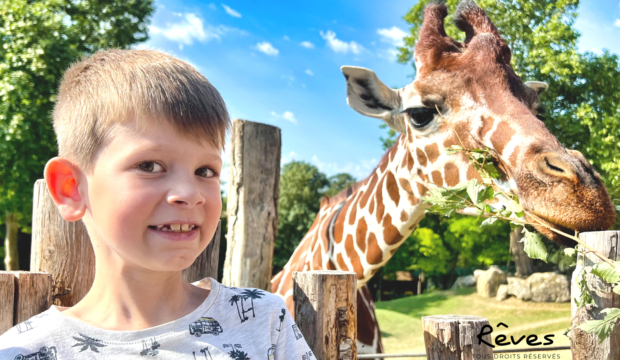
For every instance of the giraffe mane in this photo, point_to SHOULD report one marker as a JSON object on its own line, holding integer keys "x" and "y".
{"x": 328, "y": 201}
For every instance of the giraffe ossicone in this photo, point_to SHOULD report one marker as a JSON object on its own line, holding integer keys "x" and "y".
{"x": 463, "y": 94}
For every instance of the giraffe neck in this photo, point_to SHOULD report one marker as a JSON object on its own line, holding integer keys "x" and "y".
{"x": 362, "y": 232}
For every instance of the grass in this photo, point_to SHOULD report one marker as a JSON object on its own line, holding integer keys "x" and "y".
{"x": 401, "y": 324}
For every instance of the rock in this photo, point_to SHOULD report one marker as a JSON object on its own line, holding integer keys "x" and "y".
{"x": 519, "y": 288}
{"x": 464, "y": 281}
{"x": 549, "y": 287}
{"x": 477, "y": 273}
{"x": 502, "y": 292}
{"x": 488, "y": 283}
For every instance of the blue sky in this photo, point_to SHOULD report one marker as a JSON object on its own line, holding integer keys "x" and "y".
{"x": 278, "y": 62}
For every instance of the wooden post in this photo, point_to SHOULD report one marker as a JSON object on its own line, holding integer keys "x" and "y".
{"x": 60, "y": 248}
{"x": 7, "y": 300}
{"x": 326, "y": 312}
{"x": 207, "y": 263}
{"x": 33, "y": 294}
{"x": 584, "y": 345}
{"x": 252, "y": 204}
{"x": 64, "y": 250}
{"x": 455, "y": 337}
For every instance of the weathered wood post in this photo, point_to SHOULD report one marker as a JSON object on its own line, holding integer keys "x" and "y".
{"x": 7, "y": 300}
{"x": 455, "y": 337}
{"x": 64, "y": 250}
{"x": 252, "y": 204}
{"x": 326, "y": 312}
{"x": 584, "y": 345}
{"x": 33, "y": 294}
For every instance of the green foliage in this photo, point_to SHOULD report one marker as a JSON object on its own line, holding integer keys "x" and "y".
{"x": 583, "y": 98}
{"x": 440, "y": 245}
{"x": 302, "y": 186}
{"x": 338, "y": 183}
{"x": 602, "y": 328}
{"x": 40, "y": 39}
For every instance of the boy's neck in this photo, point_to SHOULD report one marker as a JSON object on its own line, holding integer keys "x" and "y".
{"x": 129, "y": 300}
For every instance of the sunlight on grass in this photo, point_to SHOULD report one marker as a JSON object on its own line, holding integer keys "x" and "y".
{"x": 401, "y": 324}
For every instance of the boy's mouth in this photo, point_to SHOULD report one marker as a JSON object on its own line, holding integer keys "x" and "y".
{"x": 179, "y": 228}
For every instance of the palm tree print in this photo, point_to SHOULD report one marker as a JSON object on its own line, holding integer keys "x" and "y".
{"x": 252, "y": 294}
{"x": 235, "y": 300}
{"x": 238, "y": 355}
{"x": 87, "y": 342}
{"x": 281, "y": 319}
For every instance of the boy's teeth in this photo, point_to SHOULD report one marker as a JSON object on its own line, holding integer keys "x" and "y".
{"x": 175, "y": 227}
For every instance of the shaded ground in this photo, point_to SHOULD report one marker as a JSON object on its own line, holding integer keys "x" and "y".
{"x": 401, "y": 324}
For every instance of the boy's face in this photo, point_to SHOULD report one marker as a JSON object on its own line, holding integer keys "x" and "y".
{"x": 150, "y": 178}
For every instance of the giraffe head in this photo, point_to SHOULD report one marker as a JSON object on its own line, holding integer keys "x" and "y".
{"x": 483, "y": 103}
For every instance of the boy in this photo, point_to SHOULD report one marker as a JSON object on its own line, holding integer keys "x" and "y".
{"x": 139, "y": 138}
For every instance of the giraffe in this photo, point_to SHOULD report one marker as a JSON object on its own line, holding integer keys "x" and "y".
{"x": 483, "y": 103}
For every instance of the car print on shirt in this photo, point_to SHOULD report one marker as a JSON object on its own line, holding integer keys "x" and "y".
{"x": 205, "y": 325}
{"x": 45, "y": 353}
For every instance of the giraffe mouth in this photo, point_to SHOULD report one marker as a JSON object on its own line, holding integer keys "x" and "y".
{"x": 550, "y": 234}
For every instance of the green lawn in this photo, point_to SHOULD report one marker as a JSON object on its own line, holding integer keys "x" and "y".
{"x": 401, "y": 324}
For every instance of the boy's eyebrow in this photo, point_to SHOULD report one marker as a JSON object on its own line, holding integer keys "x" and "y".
{"x": 161, "y": 148}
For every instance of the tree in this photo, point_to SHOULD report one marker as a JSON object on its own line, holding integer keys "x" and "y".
{"x": 302, "y": 186}
{"x": 583, "y": 98}
{"x": 40, "y": 39}
{"x": 339, "y": 182}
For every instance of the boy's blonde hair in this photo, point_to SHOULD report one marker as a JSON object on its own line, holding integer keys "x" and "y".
{"x": 116, "y": 86}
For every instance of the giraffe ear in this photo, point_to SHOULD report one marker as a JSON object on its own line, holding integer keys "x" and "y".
{"x": 367, "y": 95}
{"x": 537, "y": 86}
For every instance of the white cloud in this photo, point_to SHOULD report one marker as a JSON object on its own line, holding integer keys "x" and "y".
{"x": 617, "y": 23}
{"x": 340, "y": 46}
{"x": 231, "y": 12}
{"x": 307, "y": 44}
{"x": 392, "y": 35}
{"x": 309, "y": 72}
{"x": 189, "y": 29}
{"x": 359, "y": 170}
{"x": 388, "y": 54}
{"x": 287, "y": 115}
{"x": 267, "y": 48}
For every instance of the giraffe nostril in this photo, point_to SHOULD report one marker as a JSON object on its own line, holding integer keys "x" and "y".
{"x": 553, "y": 167}
{"x": 551, "y": 164}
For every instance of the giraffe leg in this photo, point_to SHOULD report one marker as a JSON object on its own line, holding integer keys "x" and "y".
{"x": 368, "y": 333}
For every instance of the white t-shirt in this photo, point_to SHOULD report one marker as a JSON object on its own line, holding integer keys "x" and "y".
{"x": 232, "y": 323}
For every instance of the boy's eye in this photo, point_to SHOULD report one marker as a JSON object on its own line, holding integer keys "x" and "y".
{"x": 206, "y": 172}
{"x": 149, "y": 166}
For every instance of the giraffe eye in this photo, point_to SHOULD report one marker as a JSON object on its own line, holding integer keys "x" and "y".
{"x": 421, "y": 116}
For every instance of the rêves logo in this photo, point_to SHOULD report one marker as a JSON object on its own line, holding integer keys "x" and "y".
{"x": 500, "y": 340}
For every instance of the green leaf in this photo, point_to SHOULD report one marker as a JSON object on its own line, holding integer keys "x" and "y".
{"x": 570, "y": 251}
{"x": 606, "y": 272}
{"x": 488, "y": 221}
{"x": 472, "y": 190}
{"x": 617, "y": 289}
{"x": 534, "y": 247}
{"x": 492, "y": 170}
{"x": 602, "y": 328}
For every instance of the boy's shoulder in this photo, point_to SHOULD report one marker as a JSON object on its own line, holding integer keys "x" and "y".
{"x": 232, "y": 294}
{"x": 35, "y": 335}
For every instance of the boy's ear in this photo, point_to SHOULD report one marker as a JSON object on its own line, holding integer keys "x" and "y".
{"x": 62, "y": 178}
